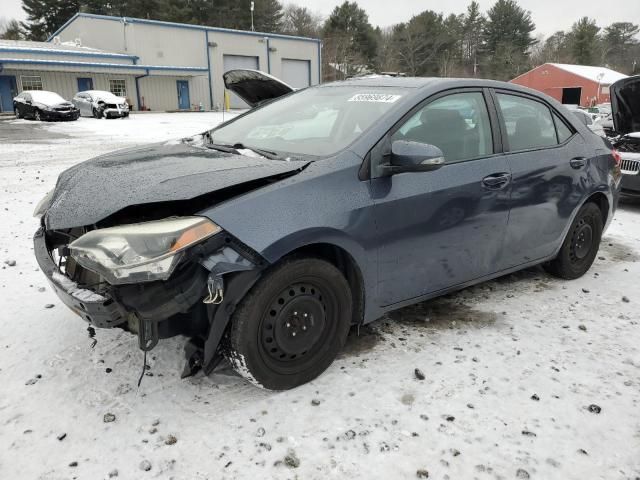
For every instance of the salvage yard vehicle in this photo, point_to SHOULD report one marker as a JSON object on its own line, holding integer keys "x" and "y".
{"x": 265, "y": 239}
{"x": 625, "y": 100}
{"x": 43, "y": 105}
{"x": 101, "y": 104}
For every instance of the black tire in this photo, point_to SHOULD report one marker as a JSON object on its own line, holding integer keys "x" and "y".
{"x": 36, "y": 116}
{"x": 581, "y": 245}
{"x": 307, "y": 298}
{"x": 16, "y": 110}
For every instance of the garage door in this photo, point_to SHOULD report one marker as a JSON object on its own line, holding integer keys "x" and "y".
{"x": 296, "y": 73}
{"x": 232, "y": 62}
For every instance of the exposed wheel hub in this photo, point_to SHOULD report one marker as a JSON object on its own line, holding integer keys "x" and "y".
{"x": 582, "y": 240}
{"x": 295, "y": 322}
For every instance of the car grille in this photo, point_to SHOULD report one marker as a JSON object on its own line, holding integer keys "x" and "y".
{"x": 63, "y": 109}
{"x": 111, "y": 105}
{"x": 630, "y": 166}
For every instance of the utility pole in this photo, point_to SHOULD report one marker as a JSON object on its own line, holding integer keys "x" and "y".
{"x": 252, "y": 7}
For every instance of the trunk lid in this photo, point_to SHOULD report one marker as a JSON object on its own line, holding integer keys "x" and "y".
{"x": 255, "y": 87}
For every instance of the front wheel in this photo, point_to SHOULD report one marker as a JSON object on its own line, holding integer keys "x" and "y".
{"x": 36, "y": 116}
{"x": 580, "y": 246}
{"x": 16, "y": 110}
{"x": 291, "y": 325}
{"x": 97, "y": 113}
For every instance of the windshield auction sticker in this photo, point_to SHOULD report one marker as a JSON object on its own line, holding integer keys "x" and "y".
{"x": 374, "y": 97}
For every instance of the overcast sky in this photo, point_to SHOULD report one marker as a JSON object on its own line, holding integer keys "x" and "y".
{"x": 548, "y": 15}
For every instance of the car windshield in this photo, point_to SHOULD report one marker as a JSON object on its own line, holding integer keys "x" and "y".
{"x": 46, "y": 98}
{"x": 314, "y": 122}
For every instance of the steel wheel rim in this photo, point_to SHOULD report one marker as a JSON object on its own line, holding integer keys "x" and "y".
{"x": 289, "y": 342}
{"x": 581, "y": 241}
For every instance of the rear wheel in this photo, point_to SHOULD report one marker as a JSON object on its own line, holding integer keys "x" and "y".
{"x": 581, "y": 245}
{"x": 291, "y": 325}
{"x": 16, "y": 110}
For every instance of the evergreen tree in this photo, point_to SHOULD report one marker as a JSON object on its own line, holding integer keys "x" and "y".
{"x": 507, "y": 37}
{"x": 44, "y": 17}
{"x": 472, "y": 28}
{"x": 350, "y": 40}
{"x": 620, "y": 44}
{"x": 584, "y": 41}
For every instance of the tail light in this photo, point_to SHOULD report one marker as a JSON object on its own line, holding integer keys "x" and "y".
{"x": 616, "y": 157}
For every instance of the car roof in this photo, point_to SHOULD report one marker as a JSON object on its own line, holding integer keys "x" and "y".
{"x": 433, "y": 83}
{"x": 420, "y": 82}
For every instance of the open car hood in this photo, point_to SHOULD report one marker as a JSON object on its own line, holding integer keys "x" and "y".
{"x": 255, "y": 87}
{"x": 91, "y": 191}
{"x": 625, "y": 105}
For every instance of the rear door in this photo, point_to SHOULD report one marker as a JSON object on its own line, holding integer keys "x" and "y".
{"x": 446, "y": 227}
{"x": 549, "y": 165}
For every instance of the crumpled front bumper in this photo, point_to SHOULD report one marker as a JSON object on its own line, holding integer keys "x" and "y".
{"x": 97, "y": 309}
{"x": 115, "y": 113}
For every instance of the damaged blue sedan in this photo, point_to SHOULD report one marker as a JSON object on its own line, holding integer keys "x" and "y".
{"x": 265, "y": 239}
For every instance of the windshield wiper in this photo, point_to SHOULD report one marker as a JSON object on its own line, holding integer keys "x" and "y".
{"x": 236, "y": 147}
{"x": 265, "y": 153}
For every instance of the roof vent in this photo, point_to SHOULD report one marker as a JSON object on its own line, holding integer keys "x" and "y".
{"x": 56, "y": 40}
{"x": 78, "y": 42}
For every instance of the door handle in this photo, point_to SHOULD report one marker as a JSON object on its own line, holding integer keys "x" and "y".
{"x": 497, "y": 180}
{"x": 578, "y": 162}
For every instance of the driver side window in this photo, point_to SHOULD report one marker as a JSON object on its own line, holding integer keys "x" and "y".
{"x": 458, "y": 124}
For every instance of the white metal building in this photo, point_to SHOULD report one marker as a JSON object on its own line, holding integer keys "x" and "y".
{"x": 156, "y": 65}
{"x": 212, "y": 51}
{"x": 67, "y": 68}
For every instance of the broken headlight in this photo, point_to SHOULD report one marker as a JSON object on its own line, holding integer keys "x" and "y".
{"x": 140, "y": 252}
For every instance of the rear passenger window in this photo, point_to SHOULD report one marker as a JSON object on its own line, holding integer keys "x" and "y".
{"x": 564, "y": 132}
{"x": 529, "y": 123}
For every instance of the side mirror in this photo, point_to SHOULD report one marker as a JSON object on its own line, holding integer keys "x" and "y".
{"x": 28, "y": 102}
{"x": 407, "y": 156}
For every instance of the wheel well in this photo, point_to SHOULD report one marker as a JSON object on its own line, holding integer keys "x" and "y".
{"x": 344, "y": 262}
{"x": 600, "y": 199}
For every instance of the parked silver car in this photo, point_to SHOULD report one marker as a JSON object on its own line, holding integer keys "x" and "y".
{"x": 99, "y": 104}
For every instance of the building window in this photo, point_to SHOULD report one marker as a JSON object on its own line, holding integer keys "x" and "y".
{"x": 31, "y": 82}
{"x": 118, "y": 87}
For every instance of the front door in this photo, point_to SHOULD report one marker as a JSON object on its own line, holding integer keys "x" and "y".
{"x": 8, "y": 90}
{"x": 183, "y": 95}
{"x": 446, "y": 227}
{"x": 85, "y": 84}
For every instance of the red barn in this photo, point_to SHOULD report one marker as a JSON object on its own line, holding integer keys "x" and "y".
{"x": 571, "y": 84}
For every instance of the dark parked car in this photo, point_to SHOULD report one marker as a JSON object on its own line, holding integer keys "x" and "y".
{"x": 265, "y": 239}
{"x": 625, "y": 105}
{"x": 43, "y": 105}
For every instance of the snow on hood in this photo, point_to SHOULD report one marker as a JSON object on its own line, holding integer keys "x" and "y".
{"x": 93, "y": 190}
{"x": 46, "y": 98}
{"x": 105, "y": 96}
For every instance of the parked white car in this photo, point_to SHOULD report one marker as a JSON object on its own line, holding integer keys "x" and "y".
{"x": 101, "y": 104}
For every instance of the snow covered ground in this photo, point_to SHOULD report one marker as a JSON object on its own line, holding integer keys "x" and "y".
{"x": 511, "y": 368}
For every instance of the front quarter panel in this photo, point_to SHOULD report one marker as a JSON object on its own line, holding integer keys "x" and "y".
{"x": 326, "y": 203}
